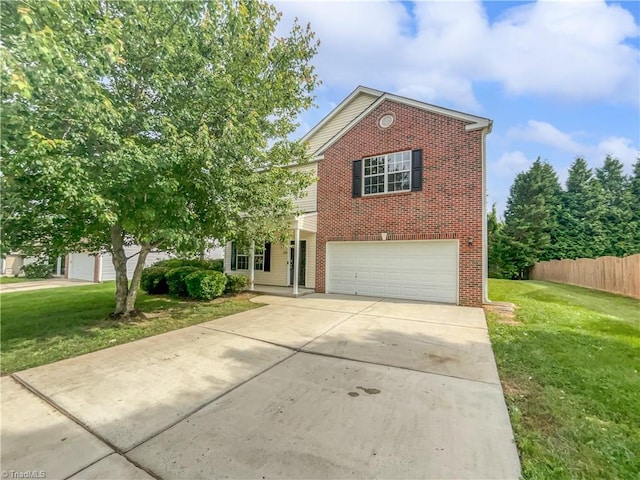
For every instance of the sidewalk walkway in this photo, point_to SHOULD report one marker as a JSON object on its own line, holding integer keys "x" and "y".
{"x": 41, "y": 284}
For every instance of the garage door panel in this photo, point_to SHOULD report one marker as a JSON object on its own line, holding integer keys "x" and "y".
{"x": 420, "y": 270}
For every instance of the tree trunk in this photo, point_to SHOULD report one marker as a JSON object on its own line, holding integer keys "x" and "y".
{"x": 126, "y": 293}
{"x": 120, "y": 265}
{"x": 135, "y": 280}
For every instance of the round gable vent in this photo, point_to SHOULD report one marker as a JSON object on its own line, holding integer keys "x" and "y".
{"x": 386, "y": 120}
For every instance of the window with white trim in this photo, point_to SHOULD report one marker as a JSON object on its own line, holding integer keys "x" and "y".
{"x": 242, "y": 261}
{"x": 387, "y": 173}
{"x": 258, "y": 258}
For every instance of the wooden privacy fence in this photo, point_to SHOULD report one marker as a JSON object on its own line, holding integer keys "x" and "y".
{"x": 611, "y": 274}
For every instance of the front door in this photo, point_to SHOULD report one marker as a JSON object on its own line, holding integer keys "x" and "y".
{"x": 303, "y": 262}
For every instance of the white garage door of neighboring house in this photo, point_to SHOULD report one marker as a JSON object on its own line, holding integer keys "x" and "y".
{"x": 417, "y": 270}
{"x": 81, "y": 266}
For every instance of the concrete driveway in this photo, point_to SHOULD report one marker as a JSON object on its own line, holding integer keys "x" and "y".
{"x": 323, "y": 386}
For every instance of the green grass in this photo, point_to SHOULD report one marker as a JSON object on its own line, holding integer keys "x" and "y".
{"x": 570, "y": 368}
{"x": 43, "y": 326}
{"x": 6, "y": 280}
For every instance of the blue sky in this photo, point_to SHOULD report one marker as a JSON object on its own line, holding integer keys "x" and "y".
{"x": 558, "y": 78}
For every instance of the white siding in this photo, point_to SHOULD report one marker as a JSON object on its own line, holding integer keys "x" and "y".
{"x": 310, "y": 223}
{"x": 419, "y": 270}
{"x": 279, "y": 271}
{"x": 308, "y": 202}
{"x": 341, "y": 120}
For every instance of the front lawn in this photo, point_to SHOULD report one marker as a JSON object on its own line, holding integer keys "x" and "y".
{"x": 42, "y": 326}
{"x": 4, "y": 280}
{"x": 570, "y": 367}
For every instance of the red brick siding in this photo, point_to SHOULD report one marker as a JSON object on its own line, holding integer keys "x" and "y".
{"x": 449, "y": 205}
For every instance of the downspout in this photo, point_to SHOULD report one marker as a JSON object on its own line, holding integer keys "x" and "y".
{"x": 485, "y": 239}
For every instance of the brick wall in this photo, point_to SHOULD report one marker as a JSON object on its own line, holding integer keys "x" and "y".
{"x": 449, "y": 205}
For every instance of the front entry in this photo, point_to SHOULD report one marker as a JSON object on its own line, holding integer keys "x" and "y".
{"x": 303, "y": 263}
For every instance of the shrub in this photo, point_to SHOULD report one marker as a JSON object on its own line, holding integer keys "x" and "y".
{"x": 217, "y": 265}
{"x": 205, "y": 284}
{"x": 37, "y": 270}
{"x": 154, "y": 280}
{"x": 235, "y": 283}
{"x": 176, "y": 280}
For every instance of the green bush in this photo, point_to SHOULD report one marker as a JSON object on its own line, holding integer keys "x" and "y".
{"x": 205, "y": 284}
{"x": 176, "y": 280}
{"x": 154, "y": 280}
{"x": 37, "y": 270}
{"x": 217, "y": 265}
{"x": 236, "y": 283}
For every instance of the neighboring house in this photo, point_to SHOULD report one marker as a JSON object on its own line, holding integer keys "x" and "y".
{"x": 398, "y": 209}
{"x": 11, "y": 264}
{"x": 93, "y": 268}
{"x": 99, "y": 268}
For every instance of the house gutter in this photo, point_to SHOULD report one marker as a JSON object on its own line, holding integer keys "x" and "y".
{"x": 485, "y": 239}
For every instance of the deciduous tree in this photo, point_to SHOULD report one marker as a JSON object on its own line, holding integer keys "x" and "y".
{"x": 161, "y": 124}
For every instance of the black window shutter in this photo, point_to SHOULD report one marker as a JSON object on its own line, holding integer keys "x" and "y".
{"x": 233, "y": 255}
{"x": 267, "y": 257}
{"x": 416, "y": 170}
{"x": 357, "y": 179}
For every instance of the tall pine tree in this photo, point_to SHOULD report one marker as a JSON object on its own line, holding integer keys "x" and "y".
{"x": 614, "y": 213}
{"x": 580, "y": 230}
{"x": 531, "y": 218}
{"x": 632, "y": 230}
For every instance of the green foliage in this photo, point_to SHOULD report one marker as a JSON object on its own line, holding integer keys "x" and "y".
{"x": 152, "y": 123}
{"x": 595, "y": 215}
{"x": 154, "y": 280}
{"x": 531, "y": 224}
{"x": 37, "y": 270}
{"x": 205, "y": 284}
{"x": 236, "y": 283}
{"x": 217, "y": 265}
{"x": 582, "y": 235}
{"x": 176, "y": 280}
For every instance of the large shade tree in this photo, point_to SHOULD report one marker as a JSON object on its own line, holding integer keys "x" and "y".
{"x": 161, "y": 124}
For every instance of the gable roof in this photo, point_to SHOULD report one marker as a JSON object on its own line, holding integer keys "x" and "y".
{"x": 474, "y": 122}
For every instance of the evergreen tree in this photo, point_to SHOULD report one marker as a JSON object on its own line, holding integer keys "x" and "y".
{"x": 580, "y": 232}
{"x": 495, "y": 245}
{"x": 632, "y": 232}
{"x": 614, "y": 213}
{"x": 531, "y": 226}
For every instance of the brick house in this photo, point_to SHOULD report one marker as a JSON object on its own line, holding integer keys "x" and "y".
{"x": 398, "y": 209}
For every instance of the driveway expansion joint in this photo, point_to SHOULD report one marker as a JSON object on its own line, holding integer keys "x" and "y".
{"x": 26, "y": 385}
{"x": 338, "y": 357}
{"x": 485, "y": 328}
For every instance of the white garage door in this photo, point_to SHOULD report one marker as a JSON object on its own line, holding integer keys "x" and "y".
{"x": 418, "y": 270}
{"x": 81, "y": 266}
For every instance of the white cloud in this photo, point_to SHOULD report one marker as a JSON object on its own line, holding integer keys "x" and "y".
{"x": 570, "y": 50}
{"x": 546, "y": 134}
{"x": 509, "y": 164}
{"x": 619, "y": 147}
